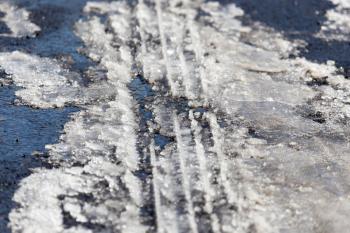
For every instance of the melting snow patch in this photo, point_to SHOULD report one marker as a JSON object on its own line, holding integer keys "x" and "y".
{"x": 17, "y": 20}
{"x": 46, "y": 84}
{"x": 337, "y": 26}
{"x": 267, "y": 146}
{"x": 97, "y": 153}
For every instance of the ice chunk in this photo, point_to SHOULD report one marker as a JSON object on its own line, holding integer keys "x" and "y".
{"x": 44, "y": 83}
{"x": 17, "y": 19}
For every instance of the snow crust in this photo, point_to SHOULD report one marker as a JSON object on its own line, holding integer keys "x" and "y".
{"x": 45, "y": 84}
{"x": 337, "y": 26}
{"x": 256, "y": 143}
{"x": 101, "y": 139}
{"x": 17, "y": 19}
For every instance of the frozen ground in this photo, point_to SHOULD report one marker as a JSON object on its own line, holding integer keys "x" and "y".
{"x": 174, "y": 116}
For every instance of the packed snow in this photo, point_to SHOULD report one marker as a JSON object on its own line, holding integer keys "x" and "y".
{"x": 337, "y": 26}
{"x": 17, "y": 19}
{"x": 200, "y": 123}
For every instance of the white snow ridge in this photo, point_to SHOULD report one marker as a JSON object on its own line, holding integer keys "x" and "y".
{"x": 192, "y": 129}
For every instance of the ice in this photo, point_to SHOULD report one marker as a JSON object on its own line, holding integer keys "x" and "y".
{"x": 45, "y": 84}
{"x": 62, "y": 190}
{"x": 270, "y": 94}
{"x": 337, "y": 26}
{"x": 98, "y": 148}
{"x": 17, "y": 19}
{"x": 254, "y": 140}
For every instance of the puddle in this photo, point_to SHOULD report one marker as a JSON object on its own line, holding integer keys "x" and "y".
{"x": 140, "y": 88}
{"x": 162, "y": 141}
{"x": 24, "y": 129}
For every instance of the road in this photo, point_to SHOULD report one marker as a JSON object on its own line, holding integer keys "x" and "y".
{"x": 174, "y": 116}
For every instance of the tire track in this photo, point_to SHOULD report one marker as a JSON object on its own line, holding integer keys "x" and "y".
{"x": 156, "y": 190}
{"x": 206, "y": 188}
{"x": 171, "y": 174}
{"x": 156, "y": 154}
{"x": 182, "y": 152}
{"x": 199, "y": 207}
{"x": 169, "y": 71}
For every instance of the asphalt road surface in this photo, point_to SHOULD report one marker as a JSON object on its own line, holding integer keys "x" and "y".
{"x": 174, "y": 116}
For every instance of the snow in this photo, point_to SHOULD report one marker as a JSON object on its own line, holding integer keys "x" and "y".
{"x": 252, "y": 145}
{"x": 101, "y": 138}
{"x": 45, "y": 84}
{"x": 337, "y": 26}
{"x": 17, "y": 19}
